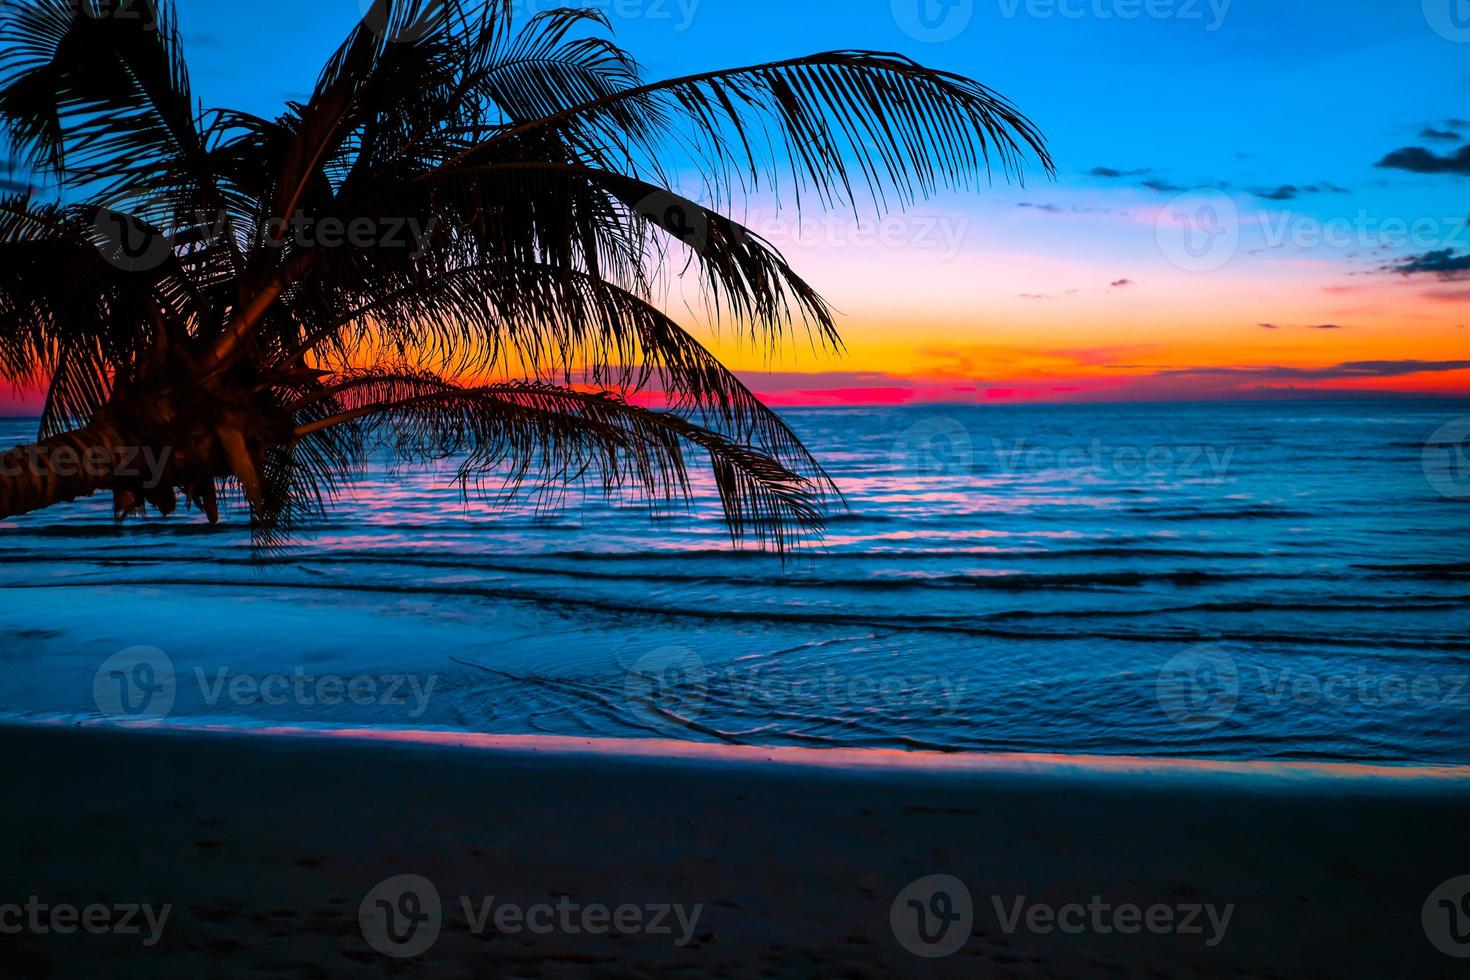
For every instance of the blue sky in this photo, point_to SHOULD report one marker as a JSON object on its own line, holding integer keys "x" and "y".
{"x": 1245, "y": 96}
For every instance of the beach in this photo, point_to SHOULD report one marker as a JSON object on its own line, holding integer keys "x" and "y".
{"x": 783, "y": 862}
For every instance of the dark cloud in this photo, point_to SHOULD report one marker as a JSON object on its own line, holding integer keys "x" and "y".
{"x": 1327, "y": 326}
{"x": 1111, "y": 173}
{"x": 1443, "y": 262}
{"x": 1454, "y": 296}
{"x": 1345, "y": 371}
{"x": 1290, "y": 192}
{"x": 1430, "y": 133}
{"x": 1162, "y": 186}
{"x": 1418, "y": 160}
{"x": 1056, "y": 209}
{"x": 1286, "y": 192}
{"x": 1268, "y": 326}
{"x": 1123, "y": 282}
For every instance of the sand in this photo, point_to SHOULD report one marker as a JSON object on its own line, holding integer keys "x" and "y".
{"x": 783, "y": 862}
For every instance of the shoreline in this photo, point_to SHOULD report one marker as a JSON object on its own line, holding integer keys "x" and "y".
{"x": 266, "y": 849}
{"x": 1082, "y": 766}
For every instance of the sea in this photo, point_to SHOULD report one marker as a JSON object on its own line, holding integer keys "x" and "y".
{"x": 1242, "y": 581}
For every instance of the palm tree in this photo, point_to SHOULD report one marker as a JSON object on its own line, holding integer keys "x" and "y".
{"x": 451, "y": 249}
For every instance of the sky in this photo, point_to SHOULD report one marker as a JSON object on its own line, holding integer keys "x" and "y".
{"x": 1254, "y": 198}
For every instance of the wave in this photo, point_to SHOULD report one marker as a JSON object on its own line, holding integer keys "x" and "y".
{"x": 1261, "y": 512}
{"x": 998, "y": 580}
{"x": 1153, "y": 633}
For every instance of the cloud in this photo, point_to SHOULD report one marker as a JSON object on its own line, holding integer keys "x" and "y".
{"x": 1452, "y": 296}
{"x": 1268, "y": 326}
{"x": 1328, "y": 326}
{"x": 1123, "y": 282}
{"x": 1341, "y": 372}
{"x": 1162, "y": 186}
{"x": 1430, "y": 133}
{"x": 1057, "y": 209}
{"x": 1418, "y": 160}
{"x": 1443, "y": 262}
{"x": 1286, "y": 192}
{"x": 1111, "y": 173}
{"x": 1289, "y": 192}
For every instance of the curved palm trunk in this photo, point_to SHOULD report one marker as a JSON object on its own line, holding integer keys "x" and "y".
{"x": 58, "y": 470}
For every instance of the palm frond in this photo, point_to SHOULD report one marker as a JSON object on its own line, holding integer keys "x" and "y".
{"x": 546, "y": 438}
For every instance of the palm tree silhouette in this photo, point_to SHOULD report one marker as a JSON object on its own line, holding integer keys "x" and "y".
{"x": 450, "y": 249}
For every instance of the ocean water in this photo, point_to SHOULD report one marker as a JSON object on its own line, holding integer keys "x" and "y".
{"x": 1241, "y": 581}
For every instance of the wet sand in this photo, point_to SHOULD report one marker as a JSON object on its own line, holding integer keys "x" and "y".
{"x": 783, "y": 862}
